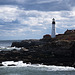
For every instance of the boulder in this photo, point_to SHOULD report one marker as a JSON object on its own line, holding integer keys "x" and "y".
{"x": 1, "y": 64}
{"x": 24, "y": 49}
{"x": 12, "y": 65}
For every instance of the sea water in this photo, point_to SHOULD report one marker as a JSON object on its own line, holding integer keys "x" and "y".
{"x": 28, "y": 69}
{"x": 6, "y": 45}
{"x": 21, "y": 68}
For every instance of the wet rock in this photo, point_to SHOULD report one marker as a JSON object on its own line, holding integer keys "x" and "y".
{"x": 1, "y": 64}
{"x": 12, "y": 65}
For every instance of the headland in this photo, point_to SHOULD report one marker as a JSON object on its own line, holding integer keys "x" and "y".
{"x": 58, "y": 51}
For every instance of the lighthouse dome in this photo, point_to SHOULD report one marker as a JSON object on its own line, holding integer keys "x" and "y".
{"x": 53, "y": 22}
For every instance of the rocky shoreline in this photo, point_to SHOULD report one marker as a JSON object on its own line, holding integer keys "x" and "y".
{"x": 57, "y": 52}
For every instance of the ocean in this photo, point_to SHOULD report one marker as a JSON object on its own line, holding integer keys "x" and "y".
{"x": 21, "y": 68}
{"x": 6, "y": 44}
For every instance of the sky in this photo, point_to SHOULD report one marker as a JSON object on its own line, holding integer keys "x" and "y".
{"x": 31, "y": 19}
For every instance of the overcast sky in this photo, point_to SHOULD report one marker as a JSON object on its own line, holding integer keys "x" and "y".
{"x": 31, "y": 19}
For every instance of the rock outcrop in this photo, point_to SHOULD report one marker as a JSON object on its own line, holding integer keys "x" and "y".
{"x": 59, "y": 52}
{"x": 27, "y": 43}
{"x": 50, "y": 51}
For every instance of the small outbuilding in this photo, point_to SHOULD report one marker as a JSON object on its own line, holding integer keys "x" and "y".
{"x": 47, "y": 36}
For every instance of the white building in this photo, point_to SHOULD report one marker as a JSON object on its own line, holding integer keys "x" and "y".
{"x": 53, "y": 28}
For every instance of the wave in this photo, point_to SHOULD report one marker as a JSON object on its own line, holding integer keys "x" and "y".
{"x": 8, "y": 48}
{"x": 39, "y": 67}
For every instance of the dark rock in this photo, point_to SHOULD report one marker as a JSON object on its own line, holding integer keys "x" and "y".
{"x": 1, "y": 64}
{"x": 72, "y": 48}
{"x": 16, "y": 44}
{"x": 12, "y": 65}
{"x": 27, "y": 43}
{"x": 57, "y": 52}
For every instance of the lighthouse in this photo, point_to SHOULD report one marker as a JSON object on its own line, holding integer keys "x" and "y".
{"x": 53, "y": 28}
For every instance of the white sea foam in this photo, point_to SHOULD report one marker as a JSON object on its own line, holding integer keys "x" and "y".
{"x": 9, "y": 48}
{"x": 37, "y": 66}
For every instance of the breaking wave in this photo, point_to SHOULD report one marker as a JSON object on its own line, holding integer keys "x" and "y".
{"x": 8, "y": 48}
{"x": 39, "y": 67}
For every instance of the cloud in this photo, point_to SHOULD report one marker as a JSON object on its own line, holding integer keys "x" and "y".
{"x": 47, "y": 1}
{"x": 41, "y": 5}
{"x": 18, "y": 23}
{"x": 8, "y": 13}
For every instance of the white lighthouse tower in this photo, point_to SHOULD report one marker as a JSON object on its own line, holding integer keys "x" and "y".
{"x": 53, "y": 28}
